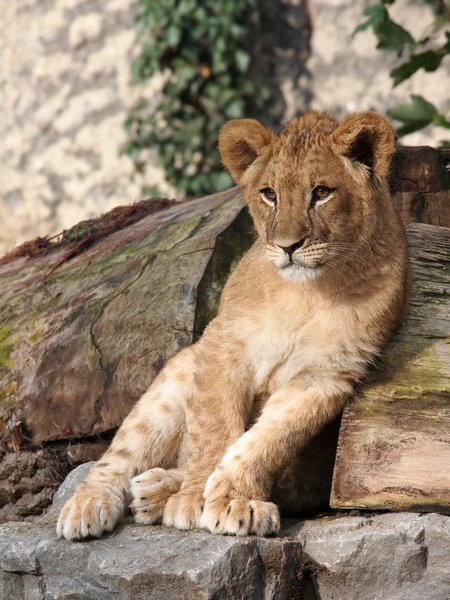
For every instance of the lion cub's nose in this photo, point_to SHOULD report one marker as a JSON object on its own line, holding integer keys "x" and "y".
{"x": 292, "y": 248}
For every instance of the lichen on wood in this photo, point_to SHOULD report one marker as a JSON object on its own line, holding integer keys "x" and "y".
{"x": 394, "y": 445}
{"x": 71, "y": 344}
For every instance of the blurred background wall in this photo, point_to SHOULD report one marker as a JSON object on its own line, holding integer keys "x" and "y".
{"x": 66, "y": 91}
{"x": 64, "y": 94}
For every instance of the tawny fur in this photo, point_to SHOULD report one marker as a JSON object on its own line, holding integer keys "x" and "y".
{"x": 221, "y": 428}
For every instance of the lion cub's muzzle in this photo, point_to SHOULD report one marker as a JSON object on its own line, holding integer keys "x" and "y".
{"x": 298, "y": 261}
{"x": 289, "y": 250}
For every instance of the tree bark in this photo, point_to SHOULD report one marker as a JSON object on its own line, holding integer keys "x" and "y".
{"x": 394, "y": 442}
{"x": 420, "y": 183}
{"x": 81, "y": 342}
{"x": 87, "y": 323}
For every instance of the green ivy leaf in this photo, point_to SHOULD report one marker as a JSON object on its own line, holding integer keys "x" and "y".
{"x": 237, "y": 31}
{"x": 393, "y": 37}
{"x": 441, "y": 121}
{"x": 419, "y": 109}
{"x": 376, "y": 14}
{"x": 242, "y": 60}
{"x": 235, "y": 110}
{"x": 390, "y": 35}
{"x": 173, "y": 36}
{"x": 222, "y": 181}
{"x": 185, "y": 74}
{"x": 186, "y": 6}
{"x": 414, "y": 116}
{"x": 429, "y": 61}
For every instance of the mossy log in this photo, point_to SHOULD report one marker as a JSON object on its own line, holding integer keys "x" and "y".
{"x": 81, "y": 339}
{"x": 86, "y": 323}
{"x": 394, "y": 442}
{"x": 81, "y": 343}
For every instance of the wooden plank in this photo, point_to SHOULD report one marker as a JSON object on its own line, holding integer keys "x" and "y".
{"x": 394, "y": 443}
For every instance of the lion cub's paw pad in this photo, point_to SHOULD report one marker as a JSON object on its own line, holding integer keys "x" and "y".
{"x": 241, "y": 517}
{"x": 150, "y": 491}
{"x": 184, "y": 510}
{"x": 89, "y": 513}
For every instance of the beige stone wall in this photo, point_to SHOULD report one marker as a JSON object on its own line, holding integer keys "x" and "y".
{"x": 64, "y": 94}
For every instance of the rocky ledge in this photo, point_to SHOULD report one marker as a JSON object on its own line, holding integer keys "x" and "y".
{"x": 392, "y": 556}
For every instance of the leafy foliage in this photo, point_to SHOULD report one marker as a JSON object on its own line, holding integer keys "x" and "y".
{"x": 429, "y": 61}
{"x": 414, "y": 116}
{"x": 203, "y": 45}
{"x": 391, "y": 36}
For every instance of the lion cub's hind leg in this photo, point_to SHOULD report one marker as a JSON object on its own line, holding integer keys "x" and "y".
{"x": 151, "y": 490}
{"x": 151, "y": 437}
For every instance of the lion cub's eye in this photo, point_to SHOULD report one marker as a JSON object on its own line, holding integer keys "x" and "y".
{"x": 321, "y": 192}
{"x": 270, "y": 196}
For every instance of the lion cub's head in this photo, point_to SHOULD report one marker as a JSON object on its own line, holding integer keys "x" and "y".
{"x": 317, "y": 191}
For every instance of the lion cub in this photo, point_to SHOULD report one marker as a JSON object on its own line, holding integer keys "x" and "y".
{"x": 304, "y": 313}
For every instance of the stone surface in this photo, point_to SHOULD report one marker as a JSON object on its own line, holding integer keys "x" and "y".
{"x": 65, "y": 94}
{"x": 67, "y": 489}
{"x": 400, "y": 556}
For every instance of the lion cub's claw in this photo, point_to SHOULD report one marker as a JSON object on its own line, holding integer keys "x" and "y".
{"x": 89, "y": 513}
{"x": 184, "y": 510}
{"x": 240, "y": 517}
{"x": 151, "y": 491}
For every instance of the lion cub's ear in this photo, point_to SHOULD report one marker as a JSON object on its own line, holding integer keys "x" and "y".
{"x": 366, "y": 138}
{"x": 240, "y": 142}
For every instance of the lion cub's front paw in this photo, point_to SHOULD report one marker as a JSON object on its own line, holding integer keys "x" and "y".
{"x": 240, "y": 516}
{"x": 151, "y": 491}
{"x": 89, "y": 513}
{"x": 230, "y": 507}
{"x": 183, "y": 510}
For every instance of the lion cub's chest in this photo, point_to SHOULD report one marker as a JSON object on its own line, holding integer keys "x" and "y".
{"x": 284, "y": 343}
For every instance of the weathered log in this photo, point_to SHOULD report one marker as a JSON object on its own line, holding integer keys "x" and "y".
{"x": 85, "y": 325}
{"x": 394, "y": 442}
{"x": 81, "y": 342}
{"x": 79, "y": 346}
{"x": 420, "y": 183}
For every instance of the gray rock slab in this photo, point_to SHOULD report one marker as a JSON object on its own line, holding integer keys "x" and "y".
{"x": 67, "y": 489}
{"x": 395, "y": 556}
{"x": 392, "y": 556}
{"x": 145, "y": 563}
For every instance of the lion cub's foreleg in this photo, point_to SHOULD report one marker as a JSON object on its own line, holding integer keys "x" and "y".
{"x": 290, "y": 418}
{"x": 151, "y": 436}
{"x": 216, "y": 418}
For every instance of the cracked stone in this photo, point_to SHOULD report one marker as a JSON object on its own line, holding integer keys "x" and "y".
{"x": 401, "y": 556}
